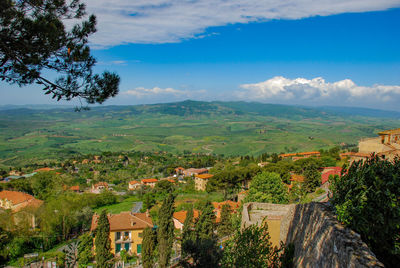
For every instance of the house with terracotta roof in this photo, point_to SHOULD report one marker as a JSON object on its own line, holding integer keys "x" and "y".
{"x": 386, "y": 146}
{"x": 179, "y": 218}
{"x": 201, "y": 180}
{"x": 134, "y": 185}
{"x": 99, "y": 187}
{"x": 233, "y": 207}
{"x": 22, "y": 205}
{"x": 149, "y": 182}
{"x": 126, "y": 230}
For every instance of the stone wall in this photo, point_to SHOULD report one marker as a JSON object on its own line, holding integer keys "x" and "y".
{"x": 319, "y": 239}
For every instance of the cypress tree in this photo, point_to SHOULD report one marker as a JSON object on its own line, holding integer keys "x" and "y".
{"x": 165, "y": 232}
{"x": 225, "y": 226}
{"x": 102, "y": 242}
{"x": 205, "y": 224}
{"x": 187, "y": 231}
{"x": 149, "y": 246}
{"x": 85, "y": 245}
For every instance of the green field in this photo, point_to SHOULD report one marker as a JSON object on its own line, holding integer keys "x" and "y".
{"x": 230, "y": 128}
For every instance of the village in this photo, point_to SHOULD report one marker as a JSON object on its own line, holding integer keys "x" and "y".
{"x": 133, "y": 204}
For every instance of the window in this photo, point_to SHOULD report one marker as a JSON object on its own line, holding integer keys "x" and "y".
{"x": 117, "y": 248}
{"x": 117, "y": 235}
{"x": 127, "y": 246}
{"x": 140, "y": 235}
{"x": 139, "y": 248}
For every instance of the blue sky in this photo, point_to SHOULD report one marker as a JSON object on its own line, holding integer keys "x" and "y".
{"x": 345, "y": 53}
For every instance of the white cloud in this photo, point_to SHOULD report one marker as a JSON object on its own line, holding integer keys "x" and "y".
{"x": 141, "y": 92}
{"x": 318, "y": 91}
{"x": 166, "y": 21}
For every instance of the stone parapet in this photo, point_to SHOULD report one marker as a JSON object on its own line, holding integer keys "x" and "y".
{"x": 319, "y": 239}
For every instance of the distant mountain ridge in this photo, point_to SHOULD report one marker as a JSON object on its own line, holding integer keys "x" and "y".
{"x": 190, "y": 107}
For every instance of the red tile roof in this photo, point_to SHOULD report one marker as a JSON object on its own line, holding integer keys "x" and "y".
{"x": 181, "y": 215}
{"x": 20, "y": 198}
{"x": 74, "y": 188}
{"x": 102, "y": 183}
{"x": 328, "y": 171}
{"x": 125, "y": 221}
{"x": 134, "y": 182}
{"x": 204, "y": 176}
{"x": 149, "y": 180}
{"x": 233, "y": 205}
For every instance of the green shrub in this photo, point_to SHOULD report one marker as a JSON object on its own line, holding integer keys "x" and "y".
{"x": 367, "y": 200}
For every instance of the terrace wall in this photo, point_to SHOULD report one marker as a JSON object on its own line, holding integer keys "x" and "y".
{"x": 319, "y": 239}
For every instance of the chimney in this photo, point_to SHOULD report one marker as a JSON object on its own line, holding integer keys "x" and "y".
{"x": 147, "y": 213}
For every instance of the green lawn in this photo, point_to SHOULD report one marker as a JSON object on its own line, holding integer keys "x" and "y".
{"x": 125, "y": 205}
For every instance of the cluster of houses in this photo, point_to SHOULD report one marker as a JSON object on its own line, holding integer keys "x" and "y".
{"x": 200, "y": 176}
{"x": 126, "y": 228}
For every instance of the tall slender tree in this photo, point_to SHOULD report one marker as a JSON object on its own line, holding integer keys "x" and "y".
{"x": 225, "y": 226}
{"x": 102, "y": 242}
{"x": 187, "y": 231}
{"x": 205, "y": 224}
{"x": 149, "y": 247}
{"x": 165, "y": 232}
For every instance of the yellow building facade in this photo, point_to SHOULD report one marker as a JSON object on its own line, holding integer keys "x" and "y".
{"x": 126, "y": 231}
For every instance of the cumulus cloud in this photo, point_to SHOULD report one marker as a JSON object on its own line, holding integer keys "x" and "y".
{"x": 166, "y": 21}
{"x": 141, "y": 92}
{"x": 317, "y": 91}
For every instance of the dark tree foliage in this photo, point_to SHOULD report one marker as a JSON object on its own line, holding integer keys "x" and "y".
{"x": 312, "y": 177}
{"x": 202, "y": 248}
{"x": 187, "y": 231}
{"x": 225, "y": 227}
{"x": 203, "y": 253}
{"x": 251, "y": 248}
{"x": 165, "y": 232}
{"x": 149, "y": 246}
{"x": 205, "y": 225}
{"x": 102, "y": 242}
{"x": 367, "y": 200}
{"x": 34, "y": 39}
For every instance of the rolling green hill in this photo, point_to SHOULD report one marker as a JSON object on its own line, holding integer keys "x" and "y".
{"x": 230, "y": 128}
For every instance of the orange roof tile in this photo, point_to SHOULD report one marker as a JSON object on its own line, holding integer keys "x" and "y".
{"x": 134, "y": 182}
{"x": 17, "y": 198}
{"x": 171, "y": 180}
{"x": 181, "y": 215}
{"x": 125, "y": 221}
{"x": 204, "y": 176}
{"x": 102, "y": 183}
{"x": 74, "y": 188}
{"x": 233, "y": 205}
{"x": 149, "y": 180}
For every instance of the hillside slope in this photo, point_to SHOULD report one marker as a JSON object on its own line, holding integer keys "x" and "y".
{"x": 231, "y": 128}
